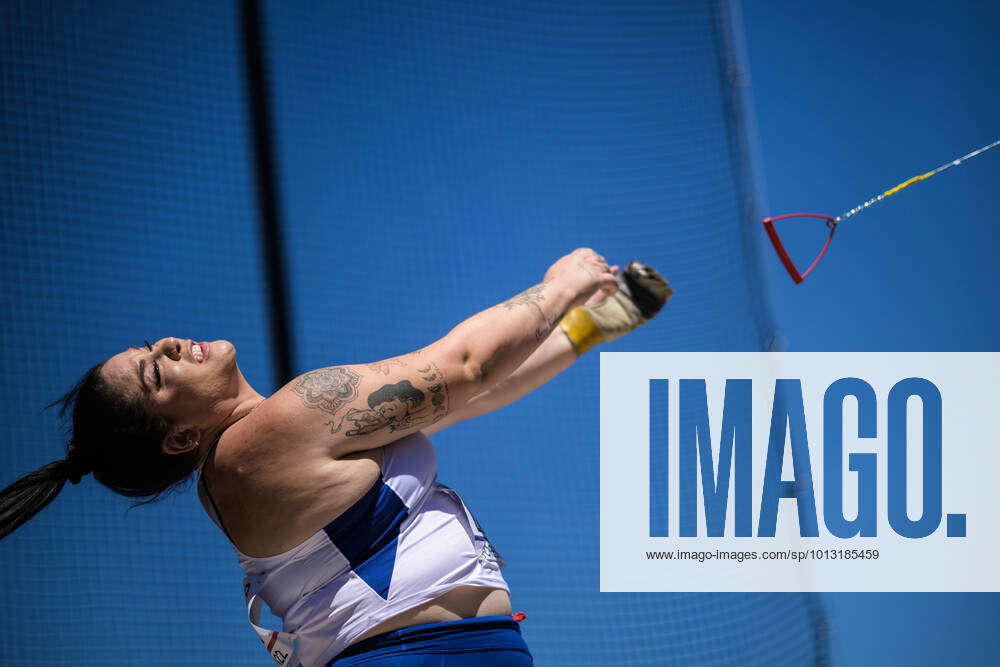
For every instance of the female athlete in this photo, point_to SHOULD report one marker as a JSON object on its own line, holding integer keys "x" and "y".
{"x": 327, "y": 488}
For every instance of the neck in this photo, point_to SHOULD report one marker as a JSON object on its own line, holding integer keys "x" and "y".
{"x": 247, "y": 401}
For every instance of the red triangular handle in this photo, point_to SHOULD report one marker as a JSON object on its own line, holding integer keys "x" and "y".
{"x": 779, "y": 247}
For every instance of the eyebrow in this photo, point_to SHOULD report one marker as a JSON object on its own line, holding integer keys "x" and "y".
{"x": 142, "y": 378}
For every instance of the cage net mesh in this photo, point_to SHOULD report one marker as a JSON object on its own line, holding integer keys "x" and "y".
{"x": 433, "y": 159}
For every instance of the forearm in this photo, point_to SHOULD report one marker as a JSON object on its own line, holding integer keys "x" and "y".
{"x": 552, "y": 357}
{"x": 499, "y": 340}
{"x": 603, "y": 318}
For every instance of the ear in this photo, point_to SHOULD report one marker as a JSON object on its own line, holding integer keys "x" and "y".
{"x": 180, "y": 442}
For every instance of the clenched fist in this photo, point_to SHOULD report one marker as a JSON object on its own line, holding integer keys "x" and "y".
{"x": 585, "y": 273}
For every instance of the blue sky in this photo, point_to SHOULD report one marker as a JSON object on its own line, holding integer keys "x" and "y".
{"x": 851, "y": 99}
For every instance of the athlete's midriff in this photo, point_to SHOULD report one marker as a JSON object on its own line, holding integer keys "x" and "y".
{"x": 456, "y": 604}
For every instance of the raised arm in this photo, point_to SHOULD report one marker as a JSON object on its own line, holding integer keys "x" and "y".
{"x": 360, "y": 407}
{"x": 552, "y": 357}
{"x": 603, "y": 318}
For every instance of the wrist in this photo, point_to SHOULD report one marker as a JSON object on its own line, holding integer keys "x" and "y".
{"x": 642, "y": 294}
{"x": 569, "y": 293}
{"x": 580, "y": 328}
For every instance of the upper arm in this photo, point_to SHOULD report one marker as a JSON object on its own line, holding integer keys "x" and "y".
{"x": 364, "y": 406}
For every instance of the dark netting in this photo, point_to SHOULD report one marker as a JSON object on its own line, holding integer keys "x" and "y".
{"x": 435, "y": 158}
{"x": 126, "y": 212}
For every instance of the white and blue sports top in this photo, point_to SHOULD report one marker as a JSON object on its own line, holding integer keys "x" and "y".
{"x": 408, "y": 540}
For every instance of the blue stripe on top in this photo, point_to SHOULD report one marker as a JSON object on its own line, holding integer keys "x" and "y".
{"x": 367, "y": 534}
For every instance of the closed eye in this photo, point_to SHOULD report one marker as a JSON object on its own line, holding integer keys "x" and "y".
{"x": 156, "y": 366}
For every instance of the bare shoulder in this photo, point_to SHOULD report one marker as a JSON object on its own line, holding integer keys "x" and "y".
{"x": 313, "y": 448}
{"x": 364, "y": 406}
{"x": 274, "y": 488}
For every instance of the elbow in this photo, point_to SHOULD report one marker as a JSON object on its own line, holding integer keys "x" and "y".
{"x": 478, "y": 371}
{"x": 474, "y": 372}
{"x": 469, "y": 366}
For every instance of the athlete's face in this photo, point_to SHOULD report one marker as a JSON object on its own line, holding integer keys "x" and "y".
{"x": 170, "y": 382}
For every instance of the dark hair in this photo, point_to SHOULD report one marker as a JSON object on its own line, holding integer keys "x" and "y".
{"x": 113, "y": 437}
{"x": 402, "y": 390}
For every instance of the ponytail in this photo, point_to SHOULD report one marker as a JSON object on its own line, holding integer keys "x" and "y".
{"x": 31, "y": 494}
{"x": 113, "y": 437}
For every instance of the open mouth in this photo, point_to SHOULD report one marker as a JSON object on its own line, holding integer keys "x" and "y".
{"x": 200, "y": 351}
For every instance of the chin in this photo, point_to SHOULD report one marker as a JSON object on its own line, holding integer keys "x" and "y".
{"x": 220, "y": 352}
{"x": 223, "y": 350}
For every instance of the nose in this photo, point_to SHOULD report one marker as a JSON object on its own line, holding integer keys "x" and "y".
{"x": 171, "y": 347}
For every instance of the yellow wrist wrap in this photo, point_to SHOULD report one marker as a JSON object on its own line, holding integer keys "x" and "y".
{"x": 581, "y": 329}
{"x": 643, "y": 293}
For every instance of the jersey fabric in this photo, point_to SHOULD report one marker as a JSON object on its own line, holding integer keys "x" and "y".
{"x": 407, "y": 540}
